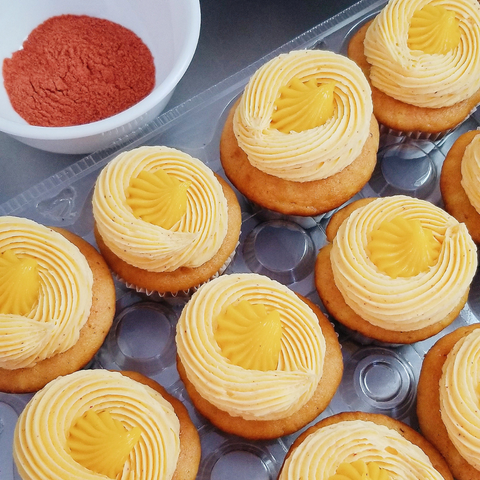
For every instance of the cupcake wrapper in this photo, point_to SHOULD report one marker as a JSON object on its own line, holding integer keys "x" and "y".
{"x": 415, "y": 135}
{"x": 180, "y": 296}
{"x": 418, "y": 135}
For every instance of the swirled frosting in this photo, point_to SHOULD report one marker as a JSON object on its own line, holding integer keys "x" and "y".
{"x": 470, "y": 169}
{"x": 325, "y": 449}
{"x": 317, "y": 152}
{"x": 402, "y": 303}
{"x": 459, "y": 397}
{"x": 40, "y": 440}
{"x": 62, "y": 303}
{"x": 413, "y": 76}
{"x": 247, "y": 393}
{"x": 191, "y": 242}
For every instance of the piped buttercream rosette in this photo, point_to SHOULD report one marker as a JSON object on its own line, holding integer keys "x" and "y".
{"x": 459, "y": 400}
{"x": 242, "y": 392}
{"x": 324, "y": 450}
{"x": 315, "y": 153}
{"x": 190, "y": 242}
{"x": 422, "y": 79}
{"x": 42, "y": 432}
{"x": 64, "y": 297}
{"x": 410, "y": 302}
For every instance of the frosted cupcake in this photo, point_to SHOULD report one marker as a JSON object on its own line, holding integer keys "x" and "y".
{"x": 354, "y": 445}
{"x": 257, "y": 360}
{"x": 447, "y": 404}
{"x": 302, "y": 138}
{"x": 96, "y": 424}
{"x": 164, "y": 222}
{"x": 57, "y": 302}
{"x": 460, "y": 181}
{"x": 398, "y": 269}
{"x": 421, "y": 58}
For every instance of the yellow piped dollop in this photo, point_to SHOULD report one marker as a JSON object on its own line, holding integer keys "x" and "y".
{"x": 303, "y": 105}
{"x": 250, "y": 336}
{"x": 434, "y": 29}
{"x": 360, "y": 470}
{"x": 19, "y": 284}
{"x": 402, "y": 247}
{"x": 101, "y": 443}
{"x": 158, "y": 198}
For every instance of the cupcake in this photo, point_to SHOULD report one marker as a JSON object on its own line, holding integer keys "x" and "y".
{"x": 421, "y": 58}
{"x": 447, "y": 400}
{"x": 460, "y": 181}
{"x": 97, "y": 424}
{"x": 354, "y": 445}
{"x": 257, "y": 360}
{"x": 164, "y": 222}
{"x": 57, "y": 302}
{"x": 302, "y": 138}
{"x": 396, "y": 269}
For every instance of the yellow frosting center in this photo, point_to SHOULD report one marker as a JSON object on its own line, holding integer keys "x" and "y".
{"x": 19, "y": 284}
{"x": 434, "y": 29}
{"x": 158, "y": 198}
{"x": 102, "y": 443}
{"x": 249, "y": 336}
{"x": 402, "y": 247}
{"x": 359, "y": 470}
{"x": 303, "y": 105}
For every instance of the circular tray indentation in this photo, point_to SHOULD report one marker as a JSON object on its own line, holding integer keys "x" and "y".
{"x": 281, "y": 249}
{"x": 405, "y": 168}
{"x": 142, "y": 338}
{"x": 380, "y": 380}
{"x": 242, "y": 461}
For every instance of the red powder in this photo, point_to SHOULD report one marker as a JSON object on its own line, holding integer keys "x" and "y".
{"x": 76, "y": 69}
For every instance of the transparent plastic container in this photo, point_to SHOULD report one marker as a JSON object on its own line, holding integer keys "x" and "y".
{"x": 377, "y": 378}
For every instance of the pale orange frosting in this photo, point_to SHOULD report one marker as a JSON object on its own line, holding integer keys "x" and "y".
{"x": 422, "y": 79}
{"x": 324, "y": 450}
{"x": 63, "y": 301}
{"x": 248, "y": 393}
{"x": 459, "y": 397}
{"x": 40, "y": 447}
{"x": 470, "y": 169}
{"x": 191, "y": 242}
{"x": 312, "y": 153}
{"x": 402, "y": 303}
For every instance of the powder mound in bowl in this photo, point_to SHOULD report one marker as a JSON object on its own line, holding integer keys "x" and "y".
{"x": 77, "y": 69}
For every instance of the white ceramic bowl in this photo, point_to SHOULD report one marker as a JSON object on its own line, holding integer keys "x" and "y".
{"x": 170, "y": 28}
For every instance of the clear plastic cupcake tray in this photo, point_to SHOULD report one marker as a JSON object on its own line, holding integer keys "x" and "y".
{"x": 377, "y": 377}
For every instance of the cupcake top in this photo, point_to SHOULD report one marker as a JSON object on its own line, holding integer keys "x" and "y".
{"x": 402, "y": 263}
{"x": 160, "y": 209}
{"x": 459, "y": 404}
{"x": 470, "y": 169}
{"x": 95, "y": 424}
{"x": 251, "y": 347}
{"x": 358, "y": 445}
{"x": 425, "y": 53}
{"x": 304, "y": 115}
{"x": 45, "y": 293}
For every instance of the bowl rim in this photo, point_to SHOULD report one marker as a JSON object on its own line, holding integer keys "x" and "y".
{"x": 130, "y": 114}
